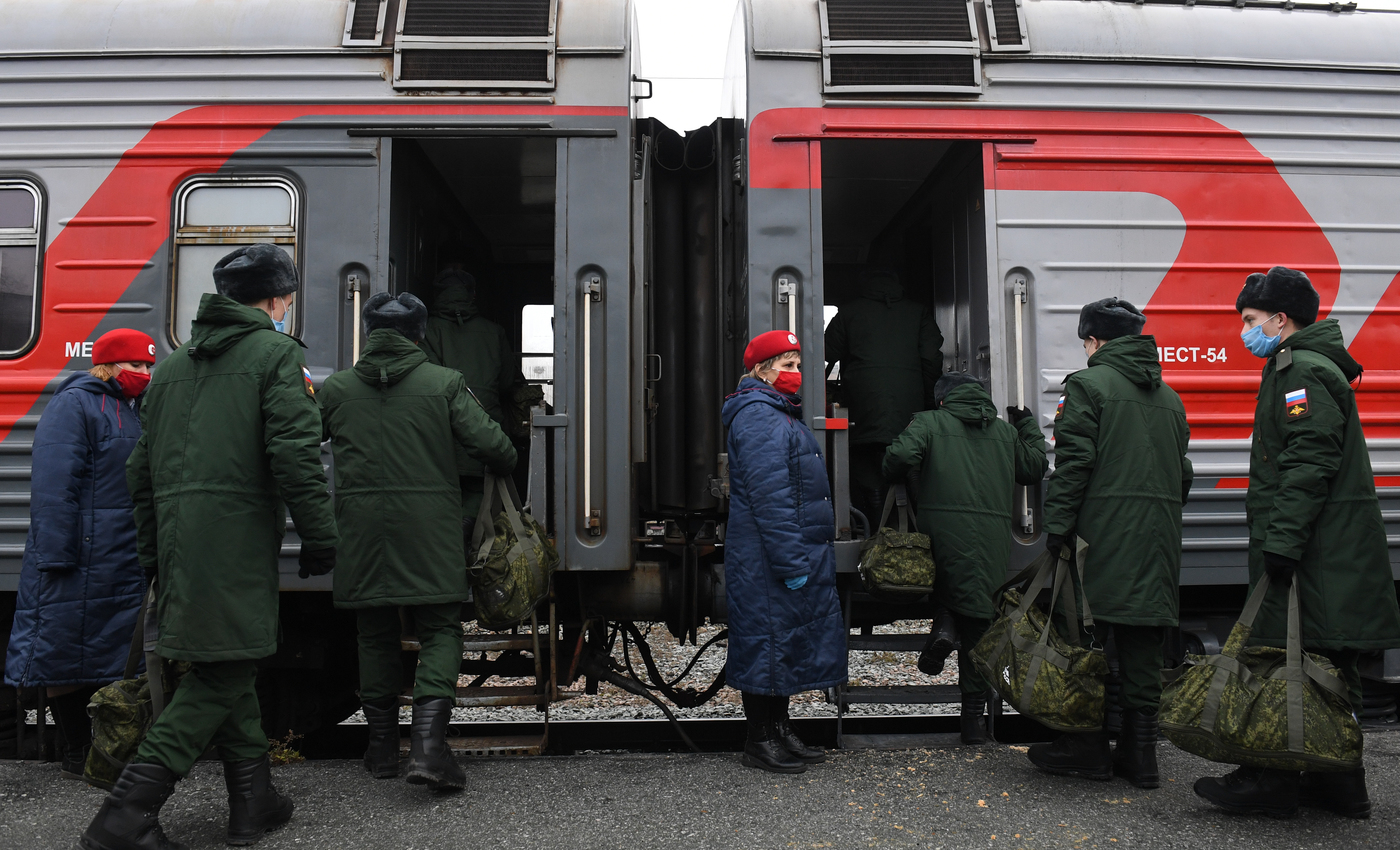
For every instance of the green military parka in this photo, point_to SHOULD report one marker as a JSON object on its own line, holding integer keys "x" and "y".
{"x": 394, "y": 421}
{"x": 231, "y": 433}
{"x": 1312, "y": 497}
{"x": 1121, "y": 476}
{"x": 969, "y": 462}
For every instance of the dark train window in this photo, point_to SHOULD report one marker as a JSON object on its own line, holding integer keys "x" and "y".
{"x": 19, "y": 266}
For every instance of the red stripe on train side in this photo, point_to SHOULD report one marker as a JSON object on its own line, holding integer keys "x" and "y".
{"x": 93, "y": 261}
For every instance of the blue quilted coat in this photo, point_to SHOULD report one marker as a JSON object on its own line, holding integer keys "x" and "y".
{"x": 781, "y": 525}
{"x": 80, "y": 585}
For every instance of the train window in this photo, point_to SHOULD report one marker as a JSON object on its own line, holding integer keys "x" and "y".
{"x": 537, "y": 347}
{"x": 216, "y": 216}
{"x": 19, "y": 266}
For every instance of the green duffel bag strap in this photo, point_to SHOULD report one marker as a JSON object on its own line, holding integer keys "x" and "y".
{"x": 484, "y": 532}
{"x": 1227, "y": 662}
{"x": 155, "y": 670}
{"x": 138, "y": 639}
{"x": 907, "y": 522}
{"x": 509, "y": 504}
{"x": 1299, "y": 667}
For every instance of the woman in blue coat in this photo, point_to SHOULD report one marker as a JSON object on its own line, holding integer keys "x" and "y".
{"x": 786, "y": 634}
{"x": 80, "y": 585}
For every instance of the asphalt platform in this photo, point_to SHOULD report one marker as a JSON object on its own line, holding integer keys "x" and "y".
{"x": 954, "y": 797}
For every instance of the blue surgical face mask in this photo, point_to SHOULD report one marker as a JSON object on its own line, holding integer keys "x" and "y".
{"x": 1259, "y": 343}
{"x": 281, "y": 324}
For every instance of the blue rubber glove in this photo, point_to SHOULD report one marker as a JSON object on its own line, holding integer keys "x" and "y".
{"x": 795, "y": 583}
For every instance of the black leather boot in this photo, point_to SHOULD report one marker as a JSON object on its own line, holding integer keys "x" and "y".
{"x": 1136, "y": 757}
{"x": 382, "y": 756}
{"x": 1083, "y": 754}
{"x": 430, "y": 759}
{"x": 787, "y": 736}
{"x": 254, "y": 805}
{"x": 974, "y": 723}
{"x": 762, "y": 749}
{"x": 1343, "y": 793}
{"x": 1253, "y": 791}
{"x": 130, "y": 815}
{"x": 74, "y": 729}
{"x": 941, "y": 641}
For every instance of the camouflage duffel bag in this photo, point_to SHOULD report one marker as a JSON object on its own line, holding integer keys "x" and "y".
{"x": 1262, "y": 706}
{"x": 897, "y": 565}
{"x": 1031, "y": 665}
{"x": 514, "y": 559}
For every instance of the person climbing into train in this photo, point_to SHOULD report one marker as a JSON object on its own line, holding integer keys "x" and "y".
{"x": 460, "y": 338}
{"x": 231, "y": 434}
{"x": 80, "y": 583}
{"x": 395, "y": 423}
{"x": 786, "y": 634}
{"x": 1121, "y": 476}
{"x": 968, "y": 463}
{"x": 1313, "y": 515}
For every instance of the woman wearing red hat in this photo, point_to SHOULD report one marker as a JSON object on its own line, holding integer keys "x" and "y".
{"x": 786, "y": 634}
{"x": 80, "y": 584}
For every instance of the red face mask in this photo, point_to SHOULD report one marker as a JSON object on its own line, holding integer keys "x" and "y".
{"x": 788, "y": 382}
{"x": 132, "y": 383}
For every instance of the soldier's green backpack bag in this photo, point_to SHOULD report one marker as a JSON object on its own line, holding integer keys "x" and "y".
{"x": 514, "y": 559}
{"x": 1262, "y": 706}
{"x": 896, "y": 565}
{"x": 1031, "y": 665}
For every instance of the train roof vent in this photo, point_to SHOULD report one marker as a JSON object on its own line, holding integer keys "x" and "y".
{"x": 364, "y": 23}
{"x": 900, "y": 46}
{"x": 1006, "y": 25}
{"x": 475, "y": 44}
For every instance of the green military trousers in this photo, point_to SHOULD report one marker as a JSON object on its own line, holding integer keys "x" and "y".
{"x": 970, "y": 631}
{"x": 868, "y": 485}
{"x": 439, "y": 632}
{"x": 215, "y": 705}
{"x": 1139, "y": 665}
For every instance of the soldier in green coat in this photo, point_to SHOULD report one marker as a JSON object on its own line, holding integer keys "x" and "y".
{"x": 460, "y": 338}
{"x": 1121, "y": 476}
{"x": 969, "y": 462}
{"x": 231, "y": 434}
{"x": 1313, "y": 515}
{"x": 395, "y": 421}
{"x": 890, "y": 351}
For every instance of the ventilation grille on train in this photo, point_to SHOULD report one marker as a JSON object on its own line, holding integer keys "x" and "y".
{"x": 364, "y": 23}
{"x": 900, "y": 46}
{"x": 1006, "y": 26}
{"x": 500, "y": 45}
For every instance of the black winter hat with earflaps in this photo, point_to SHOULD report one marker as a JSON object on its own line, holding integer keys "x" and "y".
{"x": 255, "y": 273}
{"x": 1282, "y": 290}
{"x": 405, "y": 314}
{"x": 1110, "y": 318}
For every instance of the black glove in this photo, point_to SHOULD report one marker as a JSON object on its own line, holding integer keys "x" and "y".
{"x": 316, "y": 562}
{"x": 1279, "y": 568}
{"x": 1016, "y": 414}
{"x": 1055, "y": 542}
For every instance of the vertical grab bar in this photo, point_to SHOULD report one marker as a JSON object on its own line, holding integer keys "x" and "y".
{"x": 592, "y": 291}
{"x": 787, "y": 294}
{"x": 1019, "y": 296}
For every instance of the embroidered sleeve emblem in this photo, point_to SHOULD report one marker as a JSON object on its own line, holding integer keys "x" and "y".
{"x": 1295, "y": 402}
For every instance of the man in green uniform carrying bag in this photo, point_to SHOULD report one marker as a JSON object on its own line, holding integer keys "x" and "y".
{"x": 969, "y": 464}
{"x": 1121, "y": 476}
{"x": 1312, "y": 512}
{"x": 231, "y": 435}
{"x": 395, "y": 422}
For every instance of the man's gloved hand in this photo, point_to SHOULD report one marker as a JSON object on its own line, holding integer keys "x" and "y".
{"x": 151, "y": 573}
{"x": 1279, "y": 568}
{"x": 1016, "y": 414}
{"x": 795, "y": 583}
{"x": 1055, "y": 542}
{"x": 316, "y": 562}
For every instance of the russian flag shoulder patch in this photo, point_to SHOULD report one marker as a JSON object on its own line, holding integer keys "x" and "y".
{"x": 1295, "y": 403}
{"x": 306, "y": 373}
{"x": 1060, "y": 407}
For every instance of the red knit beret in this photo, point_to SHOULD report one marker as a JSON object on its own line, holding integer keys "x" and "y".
{"x": 124, "y": 345}
{"x": 768, "y": 345}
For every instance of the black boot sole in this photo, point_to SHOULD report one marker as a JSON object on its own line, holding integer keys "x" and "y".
{"x": 250, "y": 840}
{"x": 383, "y": 771}
{"x": 809, "y": 759}
{"x": 1098, "y": 775}
{"x": 1149, "y": 781}
{"x": 1278, "y": 813}
{"x": 749, "y": 761}
{"x": 1354, "y": 814}
{"x": 422, "y": 776}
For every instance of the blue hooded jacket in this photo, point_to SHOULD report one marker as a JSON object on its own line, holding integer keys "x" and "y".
{"x": 781, "y": 526}
{"x": 80, "y": 584}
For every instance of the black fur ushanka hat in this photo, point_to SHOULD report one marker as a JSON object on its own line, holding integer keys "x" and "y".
{"x": 405, "y": 314}
{"x": 1282, "y": 290}
{"x": 255, "y": 273}
{"x": 1110, "y": 319}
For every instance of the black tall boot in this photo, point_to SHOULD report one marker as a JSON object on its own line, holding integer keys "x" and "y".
{"x": 942, "y": 639}
{"x": 254, "y": 806}
{"x": 130, "y": 815}
{"x": 382, "y": 718}
{"x": 974, "y": 723}
{"x": 1343, "y": 793}
{"x": 1083, "y": 754}
{"x": 1136, "y": 757}
{"x": 787, "y": 736}
{"x": 1253, "y": 791}
{"x": 430, "y": 759}
{"x": 762, "y": 750}
{"x": 74, "y": 728}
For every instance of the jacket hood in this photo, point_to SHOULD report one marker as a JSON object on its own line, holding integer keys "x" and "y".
{"x": 971, "y": 405}
{"x": 1134, "y": 356}
{"x": 387, "y": 358}
{"x": 221, "y": 323}
{"x": 1325, "y": 338}
{"x": 455, "y": 301}
{"x": 886, "y": 290}
{"x": 84, "y": 381}
{"x": 753, "y": 391}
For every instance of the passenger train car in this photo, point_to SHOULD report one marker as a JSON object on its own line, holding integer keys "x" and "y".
{"x": 1013, "y": 158}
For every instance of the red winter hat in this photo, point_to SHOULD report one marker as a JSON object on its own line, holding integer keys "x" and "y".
{"x": 124, "y": 345}
{"x": 768, "y": 345}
